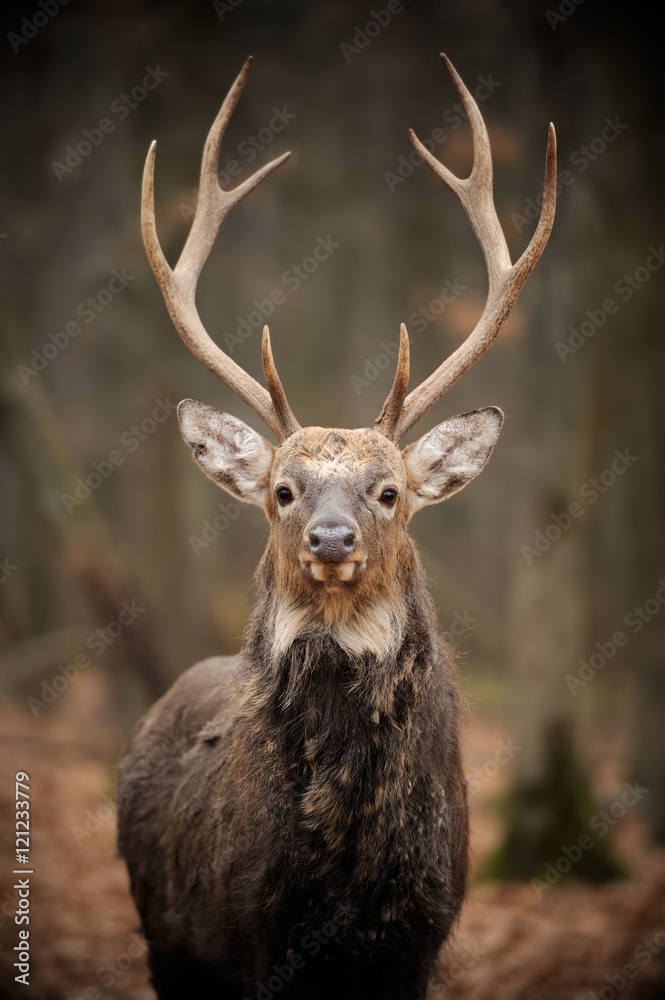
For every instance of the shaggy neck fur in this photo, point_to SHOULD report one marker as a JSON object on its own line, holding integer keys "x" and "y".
{"x": 369, "y": 639}
{"x": 345, "y": 728}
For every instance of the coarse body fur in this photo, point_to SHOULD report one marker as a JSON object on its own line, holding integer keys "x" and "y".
{"x": 311, "y": 834}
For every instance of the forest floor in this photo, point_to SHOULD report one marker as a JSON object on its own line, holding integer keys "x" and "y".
{"x": 515, "y": 941}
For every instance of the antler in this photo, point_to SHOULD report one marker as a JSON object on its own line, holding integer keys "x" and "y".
{"x": 505, "y": 278}
{"x": 179, "y": 285}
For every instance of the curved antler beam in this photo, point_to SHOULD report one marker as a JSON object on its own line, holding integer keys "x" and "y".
{"x": 178, "y": 285}
{"x": 506, "y": 279}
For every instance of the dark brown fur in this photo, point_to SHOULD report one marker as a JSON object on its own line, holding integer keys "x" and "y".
{"x": 311, "y": 837}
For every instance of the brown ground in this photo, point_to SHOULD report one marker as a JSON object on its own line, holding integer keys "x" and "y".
{"x": 512, "y": 945}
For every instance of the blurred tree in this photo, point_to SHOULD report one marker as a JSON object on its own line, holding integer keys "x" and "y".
{"x": 575, "y": 424}
{"x": 88, "y": 551}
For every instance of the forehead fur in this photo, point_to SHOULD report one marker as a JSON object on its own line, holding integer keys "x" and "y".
{"x": 338, "y": 449}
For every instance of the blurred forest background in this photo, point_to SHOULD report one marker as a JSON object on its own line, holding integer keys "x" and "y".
{"x": 558, "y": 617}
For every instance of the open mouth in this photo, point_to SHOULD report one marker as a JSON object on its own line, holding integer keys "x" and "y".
{"x": 333, "y": 573}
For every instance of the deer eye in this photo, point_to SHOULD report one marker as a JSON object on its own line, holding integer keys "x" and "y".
{"x": 284, "y": 495}
{"x": 388, "y": 497}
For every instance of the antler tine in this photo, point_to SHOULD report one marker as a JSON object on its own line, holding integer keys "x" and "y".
{"x": 505, "y": 278}
{"x": 275, "y": 388}
{"x": 475, "y": 192}
{"x": 386, "y": 421}
{"x": 178, "y": 285}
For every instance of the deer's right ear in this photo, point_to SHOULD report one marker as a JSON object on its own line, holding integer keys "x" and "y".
{"x": 230, "y": 453}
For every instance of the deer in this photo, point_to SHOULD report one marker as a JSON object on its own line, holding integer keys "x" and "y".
{"x": 311, "y": 834}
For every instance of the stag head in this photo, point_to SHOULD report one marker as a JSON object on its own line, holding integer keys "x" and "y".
{"x": 338, "y": 501}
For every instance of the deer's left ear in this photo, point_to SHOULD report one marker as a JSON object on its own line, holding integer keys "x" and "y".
{"x": 451, "y": 455}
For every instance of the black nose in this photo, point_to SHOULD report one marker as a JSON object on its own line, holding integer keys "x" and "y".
{"x": 331, "y": 540}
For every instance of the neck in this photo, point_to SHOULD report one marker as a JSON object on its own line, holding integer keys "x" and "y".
{"x": 365, "y": 641}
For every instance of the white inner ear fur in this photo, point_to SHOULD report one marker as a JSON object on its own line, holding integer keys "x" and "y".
{"x": 450, "y": 455}
{"x": 230, "y": 453}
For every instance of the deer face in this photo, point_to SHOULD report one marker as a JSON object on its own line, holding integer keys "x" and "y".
{"x": 338, "y": 501}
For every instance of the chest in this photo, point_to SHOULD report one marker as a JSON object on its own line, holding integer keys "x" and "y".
{"x": 365, "y": 809}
